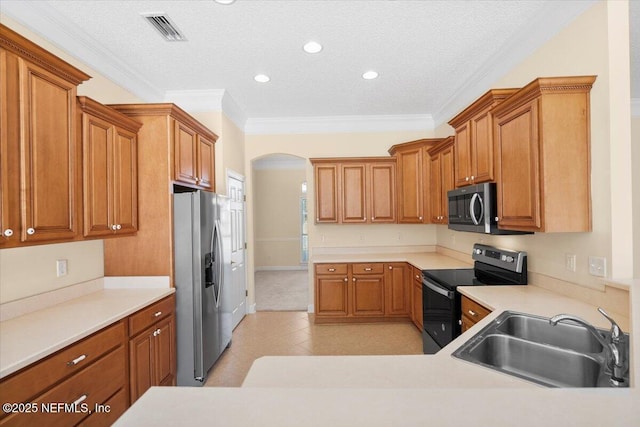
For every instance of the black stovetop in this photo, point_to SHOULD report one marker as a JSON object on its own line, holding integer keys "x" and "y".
{"x": 482, "y": 275}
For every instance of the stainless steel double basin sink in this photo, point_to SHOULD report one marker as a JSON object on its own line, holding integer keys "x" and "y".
{"x": 529, "y": 347}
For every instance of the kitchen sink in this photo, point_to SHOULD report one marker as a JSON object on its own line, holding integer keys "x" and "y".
{"x": 538, "y": 329}
{"x": 529, "y": 347}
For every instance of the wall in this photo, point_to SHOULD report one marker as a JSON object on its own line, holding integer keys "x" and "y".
{"x": 277, "y": 231}
{"x": 635, "y": 147}
{"x": 579, "y": 49}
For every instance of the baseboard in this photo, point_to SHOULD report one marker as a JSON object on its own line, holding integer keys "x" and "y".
{"x": 283, "y": 268}
{"x": 310, "y": 308}
{"x": 251, "y": 309}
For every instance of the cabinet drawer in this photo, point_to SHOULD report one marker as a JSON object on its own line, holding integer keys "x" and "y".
{"x": 473, "y": 310}
{"x": 417, "y": 275}
{"x": 88, "y": 387}
{"x": 42, "y": 375}
{"x": 148, "y": 316}
{"x": 331, "y": 268}
{"x": 116, "y": 405}
{"x": 374, "y": 268}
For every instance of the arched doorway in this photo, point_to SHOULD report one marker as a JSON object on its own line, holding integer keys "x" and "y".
{"x": 280, "y": 233}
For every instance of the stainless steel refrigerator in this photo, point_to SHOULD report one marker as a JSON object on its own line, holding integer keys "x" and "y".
{"x": 202, "y": 254}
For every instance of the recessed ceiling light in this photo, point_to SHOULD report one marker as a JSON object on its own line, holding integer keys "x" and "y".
{"x": 224, "y": 1}
{"x": 370, "y": 75}
{"x": 312, "y": 47}
{"x": 261, "y": 78}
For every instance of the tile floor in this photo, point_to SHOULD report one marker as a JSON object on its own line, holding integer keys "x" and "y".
{"x": 293, "y": 333}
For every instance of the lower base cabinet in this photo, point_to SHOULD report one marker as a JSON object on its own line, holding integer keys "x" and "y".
{"x": 359, "y": 292}
{"x": 472, "y": 313}
{"x": 93, "y": 381}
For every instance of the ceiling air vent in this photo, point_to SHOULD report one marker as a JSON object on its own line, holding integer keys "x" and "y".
{"x": 166, "y": 27}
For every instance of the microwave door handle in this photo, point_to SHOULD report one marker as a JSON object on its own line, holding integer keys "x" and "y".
{"x": 436, "y": 289}
{"x": 471, "y": 208}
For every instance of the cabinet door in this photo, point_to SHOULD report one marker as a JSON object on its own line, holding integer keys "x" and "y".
{"x": 410, "y": 186}
{"x": 97, "y": 151}
{"x": 435, "y": 189}
{"x": 368, "y": 295}
{"x": 446, "y": 182}
{"x": 326, "y": 177}
{"x": 185, "y": 154}
{"x": 331, "y": 296}
{"x": 206, "y": 163}
{"x": 49, "y": 163}
{"x": 9, "y": 156}
{"x": 164, "y": 352}
{"x": 141, "y": 363}
{"x": 381, "y": 179}
{"x": 463, "y": 155}
{"x": 519, "y": 189}
{"x": 482, "y": 153}
{"x": 125, "y": 181}
{"x": 397, "y": 283}
{"x": 353, "y": 193}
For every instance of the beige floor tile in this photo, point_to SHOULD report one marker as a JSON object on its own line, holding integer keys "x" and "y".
{"x": 293, "y": 333}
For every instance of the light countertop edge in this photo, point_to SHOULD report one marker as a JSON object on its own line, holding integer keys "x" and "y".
{"x": 29, "y": 338}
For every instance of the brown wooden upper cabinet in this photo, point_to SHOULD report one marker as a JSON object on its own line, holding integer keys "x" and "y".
{"x": 40, "y": 163}
{"x": 110, "y": 177}
{"x": 441, "y": 179}
{"x": 355, "y": 190}
{"x": 474, "y": 145}
{"x": 412, "y": 180}
{"x": 543, "y": 141}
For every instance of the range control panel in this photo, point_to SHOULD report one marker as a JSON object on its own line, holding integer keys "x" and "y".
{"x": 503, "y": 258}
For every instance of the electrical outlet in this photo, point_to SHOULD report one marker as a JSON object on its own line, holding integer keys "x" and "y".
{"x": 597, "y": 266}
{"x": 570, "y": 262}
{"x": 61, "y": 267}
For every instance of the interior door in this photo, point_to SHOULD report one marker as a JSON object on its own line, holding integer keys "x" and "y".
{"x": 236, "y": 195}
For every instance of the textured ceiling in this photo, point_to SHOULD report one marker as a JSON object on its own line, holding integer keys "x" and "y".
{"x": 425, "y": 51}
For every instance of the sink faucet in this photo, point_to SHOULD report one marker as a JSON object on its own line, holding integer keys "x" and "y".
{"x": 616, "y": 361}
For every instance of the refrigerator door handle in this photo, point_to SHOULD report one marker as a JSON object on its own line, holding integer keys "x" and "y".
{"x": 217, "y": 290}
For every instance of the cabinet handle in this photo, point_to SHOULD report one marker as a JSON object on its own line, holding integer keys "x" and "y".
{"x": 420, "y": 218}
{"x": 368, "y": 269}
{"x": 118, "y": 226}
{"x": 318, "y": 219}
{"x": 31, "y": 231}
{"x": 345, "y": 279}
{"x": 372, "y": 218}
{"x": 472, "y": 177}
{"x": 473, "y": 313}
{"x": 114, "y": 227}
{"x": 417, "y": 277}
{"x": 157, "y": 314}
{"x": 390, "y": 267}
{"x": 156, "y": 332}
{"x": 8, "y": 232}
{"x": 76, "y": 360}
{"x": 79, "y": 400}
{"x": 197, "y": 179}
{"x": 466, "y": 178}
{"x": 332, "y": 270}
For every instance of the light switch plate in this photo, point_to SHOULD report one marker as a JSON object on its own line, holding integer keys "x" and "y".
{"x": 597, "y": 266}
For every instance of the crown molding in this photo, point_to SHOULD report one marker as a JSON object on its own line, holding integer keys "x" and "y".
{"x": 339, "y": 124}
{"x": 635, "y": 107}
{"x": 47, "y": 22}
{"x": 551, "y": 19}
{"x": 208, "y": 100}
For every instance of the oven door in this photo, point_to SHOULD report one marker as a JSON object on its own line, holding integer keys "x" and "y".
{"x": 438, "y": 315}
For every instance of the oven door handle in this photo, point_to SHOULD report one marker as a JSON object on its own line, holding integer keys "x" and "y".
{"x": 437, "y": 289}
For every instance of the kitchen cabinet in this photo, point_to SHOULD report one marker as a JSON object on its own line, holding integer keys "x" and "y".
{"x": 472, "y": 313}
{"x": 474, "y": 144}
{"x": 166, "y": 130}
{"x": 352, "y": 292}
{"x": 398, "y": 289}
{"x": 109, "y": 146}
{"x": 416, "y": 298}
{"x": 412, "y": 180}
{"x": 441, "y": 179}
{"x": 90, "y": 372}
{"x": 152, "y": 347}
{"x": 355, "y": 190}
{"x": 40, "y": 160}
{"x": 543, "y": 141}
{"x": 368, "y": 289}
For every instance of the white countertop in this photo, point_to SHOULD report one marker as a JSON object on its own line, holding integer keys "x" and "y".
{"x": 421, "y": 260}
{"x": 401, "y": 390}
{"x": 29, "y": 338}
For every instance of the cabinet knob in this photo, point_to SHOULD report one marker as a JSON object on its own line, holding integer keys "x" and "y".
{"x": 318, "y": 219}
{"x": 8, "y": 232}
{"x": 31, "y": 231}
{"x": 354, "y": 279}
{"x": 119, "y": 226}
{"x": 420, "y": 218}
{"x": 373, "y": 218}
{"x": 390, "y": 267}
{"x": 197, "y": 179}
{"x": 466, "y": 178}
{"x": 417, "y": 277}
{"x": 345, "y": 279}
{"x": 114, "y": 227}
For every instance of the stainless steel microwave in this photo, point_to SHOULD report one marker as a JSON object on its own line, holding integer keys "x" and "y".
{"x": 474, "y": 209}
